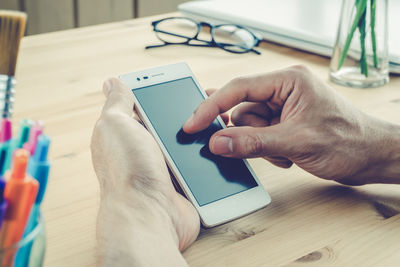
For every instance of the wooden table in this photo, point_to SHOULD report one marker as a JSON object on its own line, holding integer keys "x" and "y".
{"x": 309, "y": 222}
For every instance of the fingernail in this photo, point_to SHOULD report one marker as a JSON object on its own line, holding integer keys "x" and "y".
{"x": 222, "y": 145}
{"x": 189, "y": 122}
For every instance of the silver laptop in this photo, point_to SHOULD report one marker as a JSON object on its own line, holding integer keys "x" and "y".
{"x": 310, "y": 25}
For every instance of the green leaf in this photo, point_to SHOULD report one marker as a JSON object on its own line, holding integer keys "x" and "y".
{"x": 360, "y": 7}
{"x": 373, "y": 33}
{"x": 363, "y": 57}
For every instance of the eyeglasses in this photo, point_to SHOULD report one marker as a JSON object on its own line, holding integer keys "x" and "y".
{"x": 185, "y": 31}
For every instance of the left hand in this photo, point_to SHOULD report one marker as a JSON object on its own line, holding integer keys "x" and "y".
{"x": 132, "y": 171}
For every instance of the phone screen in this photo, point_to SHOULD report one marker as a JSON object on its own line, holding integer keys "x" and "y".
{"x": 209, "y": 177}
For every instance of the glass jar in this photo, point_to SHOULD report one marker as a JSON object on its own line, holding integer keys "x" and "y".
{"x": 360, "y": 54}
{"x": 28, "y": 252}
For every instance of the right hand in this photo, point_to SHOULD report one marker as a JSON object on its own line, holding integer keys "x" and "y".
{"x": 291, "y": 116}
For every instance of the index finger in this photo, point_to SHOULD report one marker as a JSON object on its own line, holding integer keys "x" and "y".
{"x": 272, "y": 87}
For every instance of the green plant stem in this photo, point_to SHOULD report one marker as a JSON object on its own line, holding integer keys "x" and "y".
{"x": 361, "y": 29}
{"x": 361, "y": 7}
{"x": 373, "y": 33}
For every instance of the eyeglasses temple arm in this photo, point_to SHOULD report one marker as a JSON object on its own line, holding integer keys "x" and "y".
{"x": 165, "y": 44}
{"x": 255, "y": 51}
{"x": 155, "y": 46}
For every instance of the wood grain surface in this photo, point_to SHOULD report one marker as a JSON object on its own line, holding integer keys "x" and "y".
{"x": 310, "y": 222}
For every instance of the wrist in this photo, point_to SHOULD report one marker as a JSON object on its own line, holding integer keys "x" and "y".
{"x": 385, "y": 154}
{"x": 139, "y": 210}
{"x": 131, "y": 230}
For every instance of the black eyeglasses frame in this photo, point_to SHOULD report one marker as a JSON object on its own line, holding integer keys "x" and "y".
{"x": 206, "y": 43}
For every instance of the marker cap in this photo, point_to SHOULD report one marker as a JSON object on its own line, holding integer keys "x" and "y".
{"x": 23, "y": 132}
{"x": 36, "y": 130}
{"x": 18, "y": 170}
{"x": 6, "y": 130}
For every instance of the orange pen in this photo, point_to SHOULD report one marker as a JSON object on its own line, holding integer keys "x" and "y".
{"x": 20, "y": 192}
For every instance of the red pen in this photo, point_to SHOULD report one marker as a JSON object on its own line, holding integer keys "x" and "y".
{"x": 20, "y": 193}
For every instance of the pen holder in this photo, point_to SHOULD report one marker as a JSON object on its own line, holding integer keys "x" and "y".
{"x": 360, "y": 55}
{"x": 28, "y": 252}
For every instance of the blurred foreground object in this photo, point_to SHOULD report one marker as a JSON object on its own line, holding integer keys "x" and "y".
{"x": 12, "y": 28}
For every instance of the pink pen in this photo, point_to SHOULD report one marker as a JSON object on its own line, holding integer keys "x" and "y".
{"x": 5, "y": 137}
{"x": 6, "y": 133}
{"x": 36, "y": 130}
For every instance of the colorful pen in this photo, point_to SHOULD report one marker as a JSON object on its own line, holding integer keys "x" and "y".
{"x": 19, "y": 141}
{"x": 20, "y": 193}
{"x": 5, "y": 140}
{"x": 3, "y": 202}
{"x": 36, "y": 130}
{"x": 23, "y": 132}
{"x": 38, "y": 168}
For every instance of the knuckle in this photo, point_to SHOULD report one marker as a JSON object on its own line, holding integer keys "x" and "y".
{"x": 207, "y": 105}
{"x": 299, "y": 71}
{"x": 239, "y": 81}
{"x": 210, "y": 91}
{"x": 301, "y": 76}
{"x": 110, "y": 118}
{"x": 202, "y": 105}
{"x": 111, "y": 81}
{"x": 235, "y": 116}
{"x": 99, "y": 127}
{"x": 105, "y": 127}
{"x": 117, "y": 96}
{"x": 107, "y": 85}
{"x": 300, "y": 68}
{"x": 254, "y": 145}
{"x": 114, "y": 80}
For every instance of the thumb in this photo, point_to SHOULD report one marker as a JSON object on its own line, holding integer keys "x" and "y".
{"x": 119, "y": 97}
{"x": 250, "y": 142}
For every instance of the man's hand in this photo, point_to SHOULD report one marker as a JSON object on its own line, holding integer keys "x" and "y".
{"x": 292, "y": 116}
{"x": 142, "y": 220}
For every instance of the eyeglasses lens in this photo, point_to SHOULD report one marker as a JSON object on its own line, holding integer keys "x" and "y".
{"x": 176, "y": 30}
{"x": 235, "y": 39}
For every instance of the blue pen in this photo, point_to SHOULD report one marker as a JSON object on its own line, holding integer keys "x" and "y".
{"x": 3, "y": 202}
{"x": 38, "y": 168}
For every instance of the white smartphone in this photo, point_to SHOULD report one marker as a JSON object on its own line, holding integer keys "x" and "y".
{"x": 220, "y": 188}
